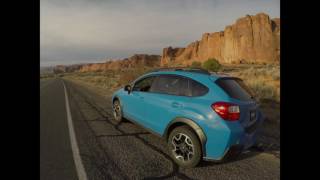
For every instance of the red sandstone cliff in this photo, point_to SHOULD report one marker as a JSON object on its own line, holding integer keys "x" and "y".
{"x": 253, "y": 39}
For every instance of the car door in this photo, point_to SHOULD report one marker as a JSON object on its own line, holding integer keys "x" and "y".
{"x": 135, "y": 108}
{"x": 165, "y": 101}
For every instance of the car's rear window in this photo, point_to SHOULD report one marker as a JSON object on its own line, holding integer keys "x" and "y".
{"x": 235, "y": 88}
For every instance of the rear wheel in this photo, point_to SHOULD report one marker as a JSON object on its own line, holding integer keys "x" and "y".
{"x": 117, "y": 111}
{"x": 184, "y": 147}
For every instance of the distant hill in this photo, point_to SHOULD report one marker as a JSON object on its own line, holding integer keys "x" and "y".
{"x": 46, "y": 70}
{"x": 137, "y": 60}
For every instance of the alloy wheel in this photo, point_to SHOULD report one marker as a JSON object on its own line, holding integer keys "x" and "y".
{"x": 117, "y": 110}
{"x": 183, "y": 148}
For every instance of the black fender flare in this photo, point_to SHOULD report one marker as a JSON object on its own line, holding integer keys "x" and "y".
{"x": 114, "y": 98}
{"x": 197, "y": 129}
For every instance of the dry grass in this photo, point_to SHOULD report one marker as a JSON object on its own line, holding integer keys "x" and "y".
{"x": 263, "y": 80}
{"x": 109, "y": 80}
{"x": 127, "y": 76}
{"x": 106, "y": 80}
{"x": 46, "y": 76}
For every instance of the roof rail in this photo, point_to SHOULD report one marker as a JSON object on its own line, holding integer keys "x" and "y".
{"x": 187, "y": 69}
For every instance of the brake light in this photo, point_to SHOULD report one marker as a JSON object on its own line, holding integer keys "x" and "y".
{"x": 227, "y": 111}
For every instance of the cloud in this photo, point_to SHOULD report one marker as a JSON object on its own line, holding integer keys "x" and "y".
{"x": 80, "y": 30}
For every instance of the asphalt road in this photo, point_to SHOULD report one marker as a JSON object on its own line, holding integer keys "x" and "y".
{"x": 56, "y": 159}
{"x": 120, "y": 151}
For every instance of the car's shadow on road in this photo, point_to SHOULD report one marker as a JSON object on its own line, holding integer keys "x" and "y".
{"x": 242, "y": 156}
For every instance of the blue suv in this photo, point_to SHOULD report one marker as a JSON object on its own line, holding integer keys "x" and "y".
{"x": 202, "y": 115}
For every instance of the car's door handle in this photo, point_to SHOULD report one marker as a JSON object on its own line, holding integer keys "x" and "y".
{"x": 141, "y": 97}
{"x": 176, "y": 105}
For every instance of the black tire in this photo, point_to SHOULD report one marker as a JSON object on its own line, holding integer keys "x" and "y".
{"x": 117, "y": 111}
{"x": 178, "y": 154}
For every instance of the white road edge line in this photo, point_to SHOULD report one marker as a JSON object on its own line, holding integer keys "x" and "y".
{"x": 82, "y": 175}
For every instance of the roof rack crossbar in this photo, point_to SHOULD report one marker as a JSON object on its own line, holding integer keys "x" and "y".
{"x": 187, "y": 69}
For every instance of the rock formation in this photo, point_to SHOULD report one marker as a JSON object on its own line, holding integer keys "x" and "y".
{"x": 252, "y": 39}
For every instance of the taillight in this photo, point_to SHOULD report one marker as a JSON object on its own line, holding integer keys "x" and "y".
{"x": 227, "y": 111}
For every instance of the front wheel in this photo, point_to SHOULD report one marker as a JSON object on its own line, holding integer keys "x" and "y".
{"x": 117, "y": 111}
{"x": 184, "y": 147}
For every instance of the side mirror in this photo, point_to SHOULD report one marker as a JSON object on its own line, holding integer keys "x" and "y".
{"x": 127, "y": 88}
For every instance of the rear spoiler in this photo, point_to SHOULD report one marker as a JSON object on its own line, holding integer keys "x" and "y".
{"x": 228, "y": 77}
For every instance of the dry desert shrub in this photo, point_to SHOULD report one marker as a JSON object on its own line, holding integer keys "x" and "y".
{"x": 44, "y": 76}
{"x": 264, "y": 81}
{"x": 103, "y": 79}
{"x": 128, "y": 75}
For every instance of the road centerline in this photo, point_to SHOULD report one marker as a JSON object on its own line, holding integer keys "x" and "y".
{"x": 82, "y": 175}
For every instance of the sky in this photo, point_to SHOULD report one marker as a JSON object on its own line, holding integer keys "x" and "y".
{"x": 84, "y": 31}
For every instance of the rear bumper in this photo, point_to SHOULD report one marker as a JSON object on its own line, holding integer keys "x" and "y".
{"x": 244, "y": 143}
{"x": 232, "y": 141}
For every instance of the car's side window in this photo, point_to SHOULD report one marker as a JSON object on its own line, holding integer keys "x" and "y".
{"x": 197, "y": 89}
{"x": 171, "y": 84}
{"x": 143, "y": 85}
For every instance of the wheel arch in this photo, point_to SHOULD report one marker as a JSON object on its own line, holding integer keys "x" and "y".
{"x": 180, "y": 121}
{"x": 115, "y": 98}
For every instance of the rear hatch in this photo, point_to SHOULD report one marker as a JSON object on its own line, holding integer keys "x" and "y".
{"x": 242, "y": 96}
